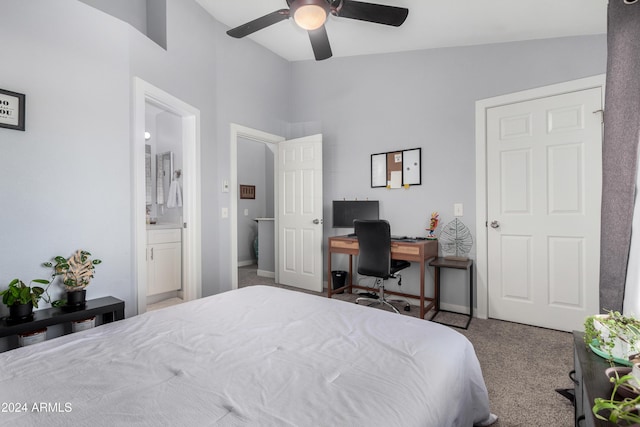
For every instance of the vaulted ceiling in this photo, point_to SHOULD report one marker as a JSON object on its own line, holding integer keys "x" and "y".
{"x": 430, "y": 24}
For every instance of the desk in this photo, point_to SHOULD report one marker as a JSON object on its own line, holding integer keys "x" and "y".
{"x": 420, "y": 251}
{"x": 439, "y": 263}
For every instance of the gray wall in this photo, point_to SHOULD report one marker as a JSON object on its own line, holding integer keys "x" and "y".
{"x": 147, "y": 16}
{"x": 379, "y": 103}
{"x": 255, "y": 167}
{"x": 66, "y": 181}
{"x": 132, "y": 11}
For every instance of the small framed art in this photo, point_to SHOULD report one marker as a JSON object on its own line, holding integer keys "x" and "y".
{"x": 247, "y": 191}
{"x": 11, "y": 110}
{"x": 396, "y": 169}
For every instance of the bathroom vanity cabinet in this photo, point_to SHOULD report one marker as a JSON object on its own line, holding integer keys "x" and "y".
{"x": 164, "y": 260}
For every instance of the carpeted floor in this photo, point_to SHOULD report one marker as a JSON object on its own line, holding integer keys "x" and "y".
{"x": 522, "y": 365}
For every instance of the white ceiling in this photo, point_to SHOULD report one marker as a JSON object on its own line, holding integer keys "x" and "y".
{"x": 430, "y": 24}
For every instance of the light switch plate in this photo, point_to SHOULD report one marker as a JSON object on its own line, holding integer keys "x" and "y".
{"x": 457, "y": 209}
{"x": 225, "y": 186}
{"x": 224, "y": 213}
{"x": 246, "y": 212}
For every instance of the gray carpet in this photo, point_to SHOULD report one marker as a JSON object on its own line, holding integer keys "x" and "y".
{"x": 522, "y": 365}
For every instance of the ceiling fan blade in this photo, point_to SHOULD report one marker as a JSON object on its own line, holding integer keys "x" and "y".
{"x": 259, "y": 24}
{"x": 378, "y": 13}
{"x": 320, "y": 43}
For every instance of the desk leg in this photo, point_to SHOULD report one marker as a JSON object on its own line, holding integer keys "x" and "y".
{"x": 422, "y": 272}
{"x": 329, "y": 285}
{"x": 350, "y": 278}
{"x": 436, "y": 282}
{"x": 470, "y": 291}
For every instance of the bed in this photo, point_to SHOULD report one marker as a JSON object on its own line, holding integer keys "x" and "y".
{"x": 257, "y": 356}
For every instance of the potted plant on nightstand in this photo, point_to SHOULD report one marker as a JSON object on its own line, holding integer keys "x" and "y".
{"x": 76, "y": 273}
{"x": 21, "y": 298}
{"x": 613, "y": 336}
{"x": 616, "y": 337}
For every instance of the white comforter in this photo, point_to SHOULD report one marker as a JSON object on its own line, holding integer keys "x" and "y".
{"x": 258, "y": 356}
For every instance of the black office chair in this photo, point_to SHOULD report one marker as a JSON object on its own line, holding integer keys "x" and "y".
{"x": 374, "y": 258}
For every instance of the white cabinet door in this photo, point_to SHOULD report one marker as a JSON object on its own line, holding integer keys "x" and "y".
{"x": 164, "y": 268}
{"x": 164, "y": 261}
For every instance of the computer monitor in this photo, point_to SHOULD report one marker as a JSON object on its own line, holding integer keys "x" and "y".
{"x": 345, "y": 211}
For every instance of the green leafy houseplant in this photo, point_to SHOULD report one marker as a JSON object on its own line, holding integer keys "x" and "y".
{"x": 75, "y": 272}
{"x": 615, "y": 334}
{"x": 618, "y": 410}
{"x": 19, "y": 293}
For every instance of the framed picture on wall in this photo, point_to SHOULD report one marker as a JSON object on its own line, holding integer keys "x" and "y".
{"x": 412, "y": 167}
{"x": 379, "y": 170}
{"x": 11, "y": 110}
{"x": 247, "y": 191}
{"x": 396, "y": 169}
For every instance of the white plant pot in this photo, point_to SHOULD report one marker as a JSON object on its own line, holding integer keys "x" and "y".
{"x": 625, "y": 344}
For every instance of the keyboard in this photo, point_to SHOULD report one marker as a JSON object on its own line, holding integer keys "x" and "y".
{"x": 398, "y": 237}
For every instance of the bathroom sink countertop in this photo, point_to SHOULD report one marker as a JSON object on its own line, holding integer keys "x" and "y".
{"x": 162, "y": 226}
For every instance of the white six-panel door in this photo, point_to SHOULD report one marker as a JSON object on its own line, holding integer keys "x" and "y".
{"x": 300, "y": 212}
{"x": 544, "y": 173}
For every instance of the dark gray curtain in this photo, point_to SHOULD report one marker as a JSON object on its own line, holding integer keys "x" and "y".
{"x": 620, "y": 149}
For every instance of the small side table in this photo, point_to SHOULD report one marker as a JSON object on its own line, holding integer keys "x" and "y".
{"x": 441, "y": 262}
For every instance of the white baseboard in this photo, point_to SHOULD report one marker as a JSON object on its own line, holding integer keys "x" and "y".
{"x": 264, "y": 273}
{"x": 245, "y": 263}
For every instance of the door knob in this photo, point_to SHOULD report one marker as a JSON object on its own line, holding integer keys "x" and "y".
{"x": 495, "y": 224}
{"x": 317, "y": 221}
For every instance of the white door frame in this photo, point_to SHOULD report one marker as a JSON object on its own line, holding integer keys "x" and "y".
{"x": 482, "y": 106}
{"x": 238, "y": 131}
{"x": 144, "y": 92}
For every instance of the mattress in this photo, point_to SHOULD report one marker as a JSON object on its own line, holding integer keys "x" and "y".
{"x": 257, "y": 356}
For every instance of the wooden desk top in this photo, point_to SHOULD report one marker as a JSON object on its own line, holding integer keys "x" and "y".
{"x": 408, "y": 250}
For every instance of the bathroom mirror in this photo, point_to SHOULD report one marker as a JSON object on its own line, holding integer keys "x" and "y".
{"x": 147, "y": 172}
{"x": 164, "y": 172}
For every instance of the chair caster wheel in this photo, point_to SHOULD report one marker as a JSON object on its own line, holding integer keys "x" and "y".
{"x": 407, "y": 308}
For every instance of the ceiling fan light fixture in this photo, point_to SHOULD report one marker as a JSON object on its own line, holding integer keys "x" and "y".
{"x": 309, "y": 14}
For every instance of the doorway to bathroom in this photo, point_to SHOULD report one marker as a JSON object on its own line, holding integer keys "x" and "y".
{"x": 166, "y": 208}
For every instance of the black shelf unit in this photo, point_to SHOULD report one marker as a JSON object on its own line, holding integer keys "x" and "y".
{"x": 110, "y": 308}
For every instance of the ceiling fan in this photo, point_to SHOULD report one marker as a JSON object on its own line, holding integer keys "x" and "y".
{"x": 311, "y": 15}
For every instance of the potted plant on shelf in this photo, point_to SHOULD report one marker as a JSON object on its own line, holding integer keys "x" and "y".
{"x": 76, "y": 273}
{"x": 618, "y": 408}
{"x": 613, "y": 335}
{"x": 21, "y": 298}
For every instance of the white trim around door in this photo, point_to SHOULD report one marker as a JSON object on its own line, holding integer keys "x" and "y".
{"x": 144, "y": 92}
{"x": 481, "y": 168}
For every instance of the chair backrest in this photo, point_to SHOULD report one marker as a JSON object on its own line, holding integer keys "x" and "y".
{"x": 374, "y": 242}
